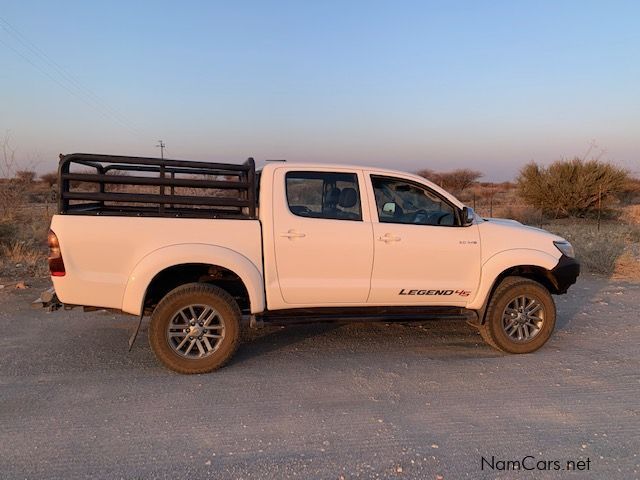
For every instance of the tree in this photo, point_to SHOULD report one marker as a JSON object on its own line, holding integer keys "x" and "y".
{"x": 571, "y": 187}
{"x": 456, "y": 181}
{"x": 14, "y": 180}
{"x": 11, "y": 192}
{"x": 8, "y": 163}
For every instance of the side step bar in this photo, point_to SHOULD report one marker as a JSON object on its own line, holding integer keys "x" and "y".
{"x": 362, "y": 314}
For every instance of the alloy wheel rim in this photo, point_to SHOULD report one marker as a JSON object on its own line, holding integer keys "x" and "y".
{"x": 195, "y": 331}
{"x": 523, "y": 318}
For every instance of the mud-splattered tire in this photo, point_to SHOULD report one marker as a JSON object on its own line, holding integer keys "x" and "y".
{"x": 195, "y": 328}
{"x": 520, "y": 317}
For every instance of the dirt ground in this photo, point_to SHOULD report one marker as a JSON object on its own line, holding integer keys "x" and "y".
{"x": 334, "y": 401}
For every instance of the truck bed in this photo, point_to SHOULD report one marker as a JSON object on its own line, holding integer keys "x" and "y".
{"x": 101, "y": 258}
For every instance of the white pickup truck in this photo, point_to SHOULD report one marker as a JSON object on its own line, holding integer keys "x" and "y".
{"x": 196, "y": 245}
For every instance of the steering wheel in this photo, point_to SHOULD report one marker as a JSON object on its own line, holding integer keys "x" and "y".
{"x": 420, "y": 217}
{"x": 441, "y": 217}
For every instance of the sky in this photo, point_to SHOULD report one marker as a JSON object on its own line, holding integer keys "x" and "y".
{"x": 488, "y": 85}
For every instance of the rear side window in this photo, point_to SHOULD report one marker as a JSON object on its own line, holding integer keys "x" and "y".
{"x": 324, "y": 195}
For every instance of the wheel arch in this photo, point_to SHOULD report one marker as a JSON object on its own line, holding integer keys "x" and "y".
{"x": 537, "y": 267}
{"x": 168, "y": 267}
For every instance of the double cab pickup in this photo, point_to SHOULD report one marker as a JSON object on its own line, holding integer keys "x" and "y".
{"x": 197, "y": 245}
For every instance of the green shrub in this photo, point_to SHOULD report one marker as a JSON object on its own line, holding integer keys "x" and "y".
{"x": 571, "y": 188}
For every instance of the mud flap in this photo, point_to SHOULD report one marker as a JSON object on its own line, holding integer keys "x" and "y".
{"x": 47, "y": 300}
{"x": 134, "y": 335}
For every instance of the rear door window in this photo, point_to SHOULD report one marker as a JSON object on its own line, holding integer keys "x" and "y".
{"x": 330, "y": 195}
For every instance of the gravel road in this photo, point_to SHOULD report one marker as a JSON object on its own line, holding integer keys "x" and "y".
{"x": 324, "y": 401}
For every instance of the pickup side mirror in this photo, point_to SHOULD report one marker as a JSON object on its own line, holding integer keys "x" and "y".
{"x": 468, "y": 216}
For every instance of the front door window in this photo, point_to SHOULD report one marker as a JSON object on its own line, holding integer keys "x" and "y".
{"x": 399, "y": 201}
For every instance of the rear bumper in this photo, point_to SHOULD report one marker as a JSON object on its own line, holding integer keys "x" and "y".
{"x": 565, "y": 273}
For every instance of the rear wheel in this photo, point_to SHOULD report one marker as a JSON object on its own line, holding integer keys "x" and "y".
{"x": 520, "y": 317}
{"x": 195, "y": 328}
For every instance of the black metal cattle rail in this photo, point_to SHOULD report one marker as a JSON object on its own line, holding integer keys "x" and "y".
{"x": 222, "y": 190}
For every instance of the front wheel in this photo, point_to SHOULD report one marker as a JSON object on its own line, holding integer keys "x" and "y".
{"x": 520, "y": 317}
{"x": 195, "y": 328}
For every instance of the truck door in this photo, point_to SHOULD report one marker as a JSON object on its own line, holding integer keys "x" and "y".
{"x": 322, "y": 237}
{"x": 422, "y": 254}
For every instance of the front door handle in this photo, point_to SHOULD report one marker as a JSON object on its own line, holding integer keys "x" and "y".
{"x": 388, "y": 238}
{"x": 293, "y": 234}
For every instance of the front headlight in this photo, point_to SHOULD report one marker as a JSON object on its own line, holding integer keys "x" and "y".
{"x": 566, "y": 248}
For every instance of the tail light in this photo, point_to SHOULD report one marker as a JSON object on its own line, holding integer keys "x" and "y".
{"x": 56, "y": 264}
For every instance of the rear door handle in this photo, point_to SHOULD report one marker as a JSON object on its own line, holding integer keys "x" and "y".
{"x": 388, "y": 238}
{"x": 293, "y": 234}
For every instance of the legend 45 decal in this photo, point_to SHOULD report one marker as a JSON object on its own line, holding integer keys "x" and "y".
{"x": 462, "y": 293}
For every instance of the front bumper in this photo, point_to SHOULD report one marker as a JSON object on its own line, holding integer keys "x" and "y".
{"x": 565, "y": 273}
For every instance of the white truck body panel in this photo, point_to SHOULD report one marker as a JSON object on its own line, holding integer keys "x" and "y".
{"x": 424, "y": 257}
{"x": 319, "y": 261}
{"x": 290, "y": 261}
{"x": 421, "y": 257}
{"x": 105, "y": 256}
{"x": 505, "y": 244}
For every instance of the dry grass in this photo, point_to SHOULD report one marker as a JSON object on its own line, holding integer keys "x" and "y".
{"x": 631, "y": 214}
{"x": 23, "y": 248}
{"x": 611, "y": 251}
{"x": 628, "y": 265}
{"x": 23, "y": 257}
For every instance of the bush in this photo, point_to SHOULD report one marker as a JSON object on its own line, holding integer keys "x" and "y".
{"x": 21, "y": 257}
{"x": 25, "y": 176}
{"x": 630, "y": 193}
{"x": 571, "y": 188}
{"x": 14, "y": 192}
{"x": 524, "y": 214}
{"x": 12, "y": 196}
{"x": 632, "y": 214}
{"x": 455, "y": 181}
{"x": 50, "y": 178}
